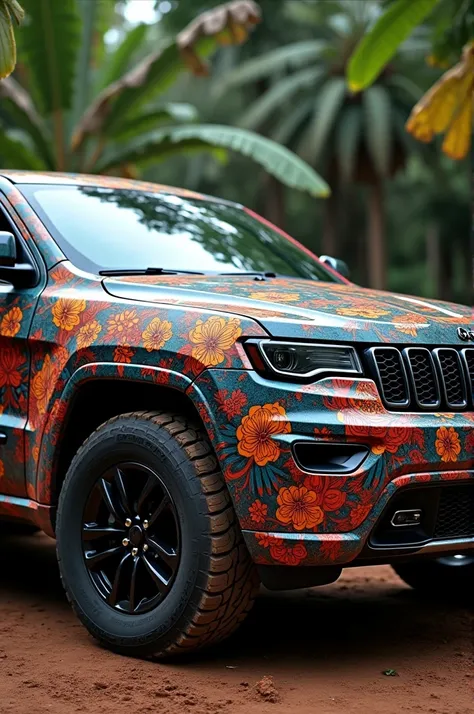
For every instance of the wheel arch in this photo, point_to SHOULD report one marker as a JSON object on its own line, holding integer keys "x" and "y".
{"x": 95, "y": 394}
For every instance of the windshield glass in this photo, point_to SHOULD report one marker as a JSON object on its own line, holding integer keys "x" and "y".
{"x": 112, "y": 229}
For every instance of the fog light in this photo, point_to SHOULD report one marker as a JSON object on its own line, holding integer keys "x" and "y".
{"x": 406, "y": 518}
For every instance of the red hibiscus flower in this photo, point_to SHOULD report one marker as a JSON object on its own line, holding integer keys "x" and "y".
{"x": 11, "y": 360}
{"x": 258, "y": 511}
{"x": 288, "y": 554}
{"x": 231, "y": 405}
{"x": 331, "y": 549}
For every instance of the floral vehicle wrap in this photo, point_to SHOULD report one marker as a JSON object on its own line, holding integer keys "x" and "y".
{"x": 186, "y": 333}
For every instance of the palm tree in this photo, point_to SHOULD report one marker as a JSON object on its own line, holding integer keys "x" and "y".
{"x": 351, "y": 138}
{"x": 62, "y": 114}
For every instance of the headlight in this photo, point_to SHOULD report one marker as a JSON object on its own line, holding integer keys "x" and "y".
{"x": 304, "y": 360}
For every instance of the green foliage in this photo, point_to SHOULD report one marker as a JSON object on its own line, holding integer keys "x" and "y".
{"x": 9, "y": 10}
{"x": 119, "y": 126}
{"x": 119, "y": 60}
{"x": 305, "y": 98}
{"x": 49, "y": 43}
{"x": 277, "y": 160}
{"x": 379, "y": 45}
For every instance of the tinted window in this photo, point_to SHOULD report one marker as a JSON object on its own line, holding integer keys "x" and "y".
{"x": 108, "y": 229}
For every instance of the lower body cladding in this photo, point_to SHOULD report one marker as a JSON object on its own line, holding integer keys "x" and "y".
{"x": 323, "y": 475}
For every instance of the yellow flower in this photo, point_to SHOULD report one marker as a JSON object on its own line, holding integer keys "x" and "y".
{"x": 447, "y": 108}
{"x": 447, "y": 444}
{"x": 88, "y": 334}
{"x": 157, "y": 333}
{"x": 66, "y": 312}
{"x": 362, "y": 310}
{"x": 274, "y": 296}
{"x": 212, "y": 338}
{"x": 409, "y": 323}
{"x": 123, "y": 325}
{"x": 11, "y": 322}
{"x": 43, "y": 384}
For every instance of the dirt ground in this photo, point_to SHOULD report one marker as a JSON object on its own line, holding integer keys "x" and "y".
{"x": 317, "y": 651}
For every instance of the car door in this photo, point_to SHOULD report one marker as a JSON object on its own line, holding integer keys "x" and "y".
{"x": 17, "y": 307}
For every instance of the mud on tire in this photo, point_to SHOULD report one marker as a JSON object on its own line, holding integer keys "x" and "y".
{"x": 215, "y": 583}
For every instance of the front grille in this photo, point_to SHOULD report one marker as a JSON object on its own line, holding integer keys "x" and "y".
{"x": 455, "y": 513}
{"x": 417, "y": 378}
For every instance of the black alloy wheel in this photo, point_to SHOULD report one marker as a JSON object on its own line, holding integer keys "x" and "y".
{"x": 131, "y": 538}
{"x": 149, "y": 548}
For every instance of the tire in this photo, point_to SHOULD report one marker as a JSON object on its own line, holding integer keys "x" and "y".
{"x": 450, "y": 577}
{"x": 214, "y": 584}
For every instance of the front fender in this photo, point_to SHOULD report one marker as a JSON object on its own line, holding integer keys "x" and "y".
{"x": 42, "y": 478}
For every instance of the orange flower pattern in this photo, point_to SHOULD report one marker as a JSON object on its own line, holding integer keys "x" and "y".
{"x": 156, "y": 334}
{"x": 270, "y": 296}
{"x": 124, "y": 325}
{"x": 88, "y": 334}
{"x": 248, "y": 419}
{"x": 11, "y": 322}
{"x": 213, "y": 338}
{"x": 43, "y": 384}
{"x": 257, "y": 429}
{"x": 299, "y": 507}
{"x": 66, "y": 313}
{"x": 447, "y": 444}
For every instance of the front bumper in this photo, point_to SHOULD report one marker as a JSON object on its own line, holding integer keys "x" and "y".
{"x": 294, "y": 517}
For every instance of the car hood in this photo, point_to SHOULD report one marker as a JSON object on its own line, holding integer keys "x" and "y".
{"x": 306, "y": 309}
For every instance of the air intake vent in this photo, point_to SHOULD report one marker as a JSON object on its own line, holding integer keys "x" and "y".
{"x": 455, "y": 513}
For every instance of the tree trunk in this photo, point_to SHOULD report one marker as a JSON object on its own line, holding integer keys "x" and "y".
{"x": 377, "y": 268}
{"x": 330, "y": 242}
{"x": 274, "y": 201}
{"x": 433, "y": 258}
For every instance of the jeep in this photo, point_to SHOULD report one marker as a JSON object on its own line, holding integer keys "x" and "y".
{"x": 192, "y": 403}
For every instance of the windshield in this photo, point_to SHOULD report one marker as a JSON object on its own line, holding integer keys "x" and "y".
{"x": 113, "y": 229}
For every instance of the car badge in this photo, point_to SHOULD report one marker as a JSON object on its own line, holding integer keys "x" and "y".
{"x": 465, "y": 335}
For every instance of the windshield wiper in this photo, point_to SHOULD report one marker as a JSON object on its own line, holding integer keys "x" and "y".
{"x": 258, "y": 273}
{"x": 147, "y": 271}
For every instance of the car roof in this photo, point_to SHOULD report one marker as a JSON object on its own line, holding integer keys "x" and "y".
{"x": 69, "y": 179}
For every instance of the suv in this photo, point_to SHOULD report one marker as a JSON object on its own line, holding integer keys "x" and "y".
{"x": 192, "y": 403}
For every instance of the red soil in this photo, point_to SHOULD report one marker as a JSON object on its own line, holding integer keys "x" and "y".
{"x": 319, "y": 651}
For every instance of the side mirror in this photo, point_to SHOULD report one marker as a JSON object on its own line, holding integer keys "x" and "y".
{"x": 340, "y": 266}
{"x": 20, "y": 275}
{"x": 7, "y": 249}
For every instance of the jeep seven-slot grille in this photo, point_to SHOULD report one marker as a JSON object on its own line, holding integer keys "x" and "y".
{"x": 417, "y": 378}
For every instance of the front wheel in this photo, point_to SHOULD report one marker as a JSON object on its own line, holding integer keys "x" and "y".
{"x": 150, "y": 553}
{"x": 449, "y": 576}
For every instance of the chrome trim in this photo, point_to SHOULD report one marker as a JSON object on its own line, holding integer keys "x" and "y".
{"x": 313, "y": 372}
{"x": 406, "y": 525}
{"x": 433, "y": 546}
{"x": 470, "y": 378}
{"x": 437, "y": 360}
{"x": 371, "y": 354}
{"x": 406, "y": 353}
